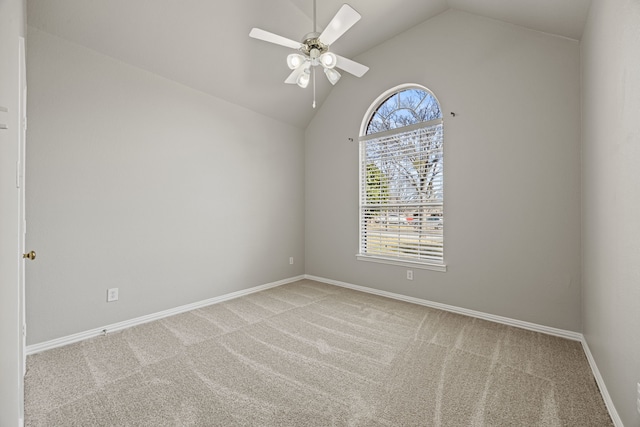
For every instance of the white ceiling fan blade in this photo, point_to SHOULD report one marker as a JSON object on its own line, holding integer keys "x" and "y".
{"x": 350, "y": 66}
{"x": 344, "y": 19}
{"x": 259, "y": 34}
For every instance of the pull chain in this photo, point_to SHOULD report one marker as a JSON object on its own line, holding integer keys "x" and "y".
{"x": 314, "y": 88}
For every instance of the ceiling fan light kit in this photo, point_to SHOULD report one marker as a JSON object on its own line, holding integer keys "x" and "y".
{"x": 314, "y": 49}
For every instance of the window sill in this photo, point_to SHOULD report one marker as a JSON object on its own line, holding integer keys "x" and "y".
{"x": 403, "y": 263}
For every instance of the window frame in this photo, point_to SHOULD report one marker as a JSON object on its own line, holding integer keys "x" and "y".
{"x": 434, "y": 265}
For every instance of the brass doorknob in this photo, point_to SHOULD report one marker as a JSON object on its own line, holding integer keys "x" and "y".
{"x": 31, "y": 255}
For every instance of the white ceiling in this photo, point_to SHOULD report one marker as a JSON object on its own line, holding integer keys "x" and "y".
{"x": 205, "y": 44}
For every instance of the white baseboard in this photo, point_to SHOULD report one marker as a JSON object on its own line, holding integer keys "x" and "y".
{"x": 59, "y": 342}
{"x": 575, "y": 336}
{"x": 601, "y": 385}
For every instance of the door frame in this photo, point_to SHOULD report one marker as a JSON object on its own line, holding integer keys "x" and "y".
{"x": 22, "y": 223}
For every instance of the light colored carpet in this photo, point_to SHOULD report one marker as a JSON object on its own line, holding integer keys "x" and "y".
{"x": 310, "y": 354}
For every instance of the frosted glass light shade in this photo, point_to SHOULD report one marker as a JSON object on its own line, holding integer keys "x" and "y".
{"x": 332, "y": 75}
{"x": 328, "y": 60}
{"x": 303, "y": 79}
{"x": 295, "y": 60}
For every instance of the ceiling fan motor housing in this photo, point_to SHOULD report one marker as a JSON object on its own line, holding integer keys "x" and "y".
{"x": 312, "y": 46}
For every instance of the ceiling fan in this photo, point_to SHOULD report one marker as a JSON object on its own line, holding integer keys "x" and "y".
{"x": 314, "y": 50}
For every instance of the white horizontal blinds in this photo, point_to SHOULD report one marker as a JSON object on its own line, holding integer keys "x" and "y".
{"x": 401, "y": 203}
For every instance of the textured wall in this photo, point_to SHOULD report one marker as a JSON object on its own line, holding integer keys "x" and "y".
{"x": 611, "y": 197}
{"x": 512, "y": 168}
{"x": 140, "y": 183}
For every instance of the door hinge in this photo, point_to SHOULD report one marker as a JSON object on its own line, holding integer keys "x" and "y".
{"x": 18, "y": 170}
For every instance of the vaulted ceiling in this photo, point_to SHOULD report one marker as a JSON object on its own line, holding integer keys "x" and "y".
{"x": 205, "y": 44}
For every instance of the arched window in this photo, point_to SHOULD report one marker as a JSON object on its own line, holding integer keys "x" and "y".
{"x": 401, "y": 180}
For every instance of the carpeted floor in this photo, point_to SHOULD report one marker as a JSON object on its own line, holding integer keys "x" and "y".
{"x": 310, "y": 354}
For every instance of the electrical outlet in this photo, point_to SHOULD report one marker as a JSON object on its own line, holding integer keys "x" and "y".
{"x": 409, "y": 274}
{"x": 290, "y": 260}
{"x": 112, "y": 294}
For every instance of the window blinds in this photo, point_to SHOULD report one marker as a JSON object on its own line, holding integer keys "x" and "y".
{"x": 401, "y": 193}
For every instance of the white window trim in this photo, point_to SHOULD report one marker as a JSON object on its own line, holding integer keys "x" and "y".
{"x": 410, "y": 264}
{"x": 409, "y": 128}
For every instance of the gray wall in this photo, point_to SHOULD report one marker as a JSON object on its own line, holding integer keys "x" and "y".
{"x": 140, "y": 183}
{"x": 512, "y": 169}
{"x": 11, "y": 28}
{"x": 611, "y": 197}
